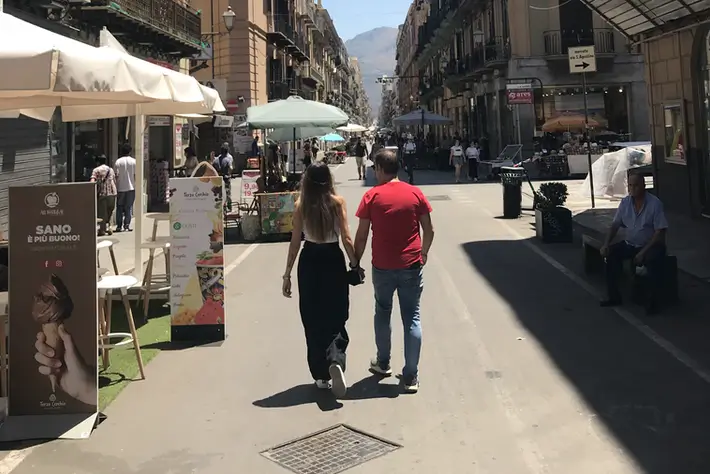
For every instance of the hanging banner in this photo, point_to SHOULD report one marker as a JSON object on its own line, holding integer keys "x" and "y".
{"x": 196, "y": 259}
{"x": 53, "y": 378}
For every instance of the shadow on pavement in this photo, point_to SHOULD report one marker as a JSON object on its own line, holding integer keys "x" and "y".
{"x": 303, "y": 394}
{"x": 372, "y": 387}
{"x": 654, "y": 405}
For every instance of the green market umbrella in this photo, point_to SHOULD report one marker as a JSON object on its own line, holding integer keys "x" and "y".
{"x": 295, "y": 112}
{"x": 286, "y": 134}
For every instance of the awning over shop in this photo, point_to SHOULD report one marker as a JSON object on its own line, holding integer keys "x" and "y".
{"x": 634, "y": 17}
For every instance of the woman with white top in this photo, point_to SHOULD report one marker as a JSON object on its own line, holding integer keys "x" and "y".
{"x": 472, "y": 155}
{"x": 323, "y": 291}
{"x": 456, "y": 159}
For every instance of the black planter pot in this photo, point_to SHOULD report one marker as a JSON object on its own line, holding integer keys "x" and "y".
{"x": 554, "y": 225}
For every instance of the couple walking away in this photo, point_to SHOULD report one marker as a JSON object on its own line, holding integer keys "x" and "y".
{"x": 395, "y": 211}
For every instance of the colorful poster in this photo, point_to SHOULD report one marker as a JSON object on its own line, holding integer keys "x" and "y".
{"x": 53, "y": 300}
{"x": 196, "y": 259}
{"x": 277, "y": 212}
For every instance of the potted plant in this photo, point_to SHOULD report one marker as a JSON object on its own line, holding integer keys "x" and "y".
{"x": 553, "y": 222}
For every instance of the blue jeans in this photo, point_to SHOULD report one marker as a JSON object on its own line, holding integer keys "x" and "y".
{"x": 408, "y": 283}
{"x": 124, "y": 209}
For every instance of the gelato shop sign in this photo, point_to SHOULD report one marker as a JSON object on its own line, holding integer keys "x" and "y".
{"x": 53, "y": 233}
{"x": 53, "y": 379}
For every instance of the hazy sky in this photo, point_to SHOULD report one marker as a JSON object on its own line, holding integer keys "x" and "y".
{"x": 352, "y": 17}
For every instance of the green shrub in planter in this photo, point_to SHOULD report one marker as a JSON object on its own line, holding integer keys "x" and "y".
{"x": 553, "y": 222}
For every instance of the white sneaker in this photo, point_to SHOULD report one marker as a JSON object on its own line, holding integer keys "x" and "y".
{"x": 323, "y": 384}
{"x": 338, "y": 384}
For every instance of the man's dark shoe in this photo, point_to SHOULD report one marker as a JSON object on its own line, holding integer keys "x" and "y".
{"x": 380, "y": 368}
{"x": 411, "y": 384}
{"x": 610, "y": 303}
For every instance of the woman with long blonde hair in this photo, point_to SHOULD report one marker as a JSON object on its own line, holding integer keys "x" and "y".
{"x": 323, "y": 291}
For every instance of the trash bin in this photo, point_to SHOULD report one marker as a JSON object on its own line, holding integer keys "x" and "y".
{"x": 512, "y": 180}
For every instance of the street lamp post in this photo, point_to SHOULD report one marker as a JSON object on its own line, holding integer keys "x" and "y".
{"x": 228, "y": 17}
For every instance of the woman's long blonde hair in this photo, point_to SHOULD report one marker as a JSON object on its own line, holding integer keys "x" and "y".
{"x": 318, "y": 204}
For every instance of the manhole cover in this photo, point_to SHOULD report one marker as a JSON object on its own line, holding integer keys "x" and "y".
{"x": 441, "y": 197}
{"x": 329, "y": 451}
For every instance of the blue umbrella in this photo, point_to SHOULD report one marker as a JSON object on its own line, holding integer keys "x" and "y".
{"x": 333, "y": 137}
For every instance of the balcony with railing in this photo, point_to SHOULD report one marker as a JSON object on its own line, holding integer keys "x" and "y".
{"x": 299, "y": 48}
{"x": 557, "y": 42}
{"x": 280, "y": 31}
{"x": 167, "y": 24}
{"x": 432, "y": 85}
{"x": 497, "y": 51}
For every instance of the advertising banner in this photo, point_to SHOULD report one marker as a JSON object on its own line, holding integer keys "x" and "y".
{"x": 53, "y": 379}
{"x": 520, "y": 96}
{"x": 277, "y": 212}
{"x": 249, "y": 185}
{"x": 196, "y": 259}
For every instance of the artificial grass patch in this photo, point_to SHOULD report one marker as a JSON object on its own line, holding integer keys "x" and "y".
{"x": 124, "y": 367}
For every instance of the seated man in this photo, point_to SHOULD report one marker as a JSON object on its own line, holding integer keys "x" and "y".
{"x": 641, "y": 214}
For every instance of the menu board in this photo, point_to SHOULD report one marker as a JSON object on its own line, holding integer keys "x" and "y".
{"x": 197, "y": 259}
{"x": 249, "y": 185}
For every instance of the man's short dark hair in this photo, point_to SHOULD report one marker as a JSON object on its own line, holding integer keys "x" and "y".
{"x": 126, "y": 149}
{"x": 387, "y": 161}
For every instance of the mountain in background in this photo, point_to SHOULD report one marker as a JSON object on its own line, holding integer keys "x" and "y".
{"x": 375, "y": 52}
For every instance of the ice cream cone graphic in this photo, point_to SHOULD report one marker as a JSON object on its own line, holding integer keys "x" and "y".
{"x": 52, "y": 305}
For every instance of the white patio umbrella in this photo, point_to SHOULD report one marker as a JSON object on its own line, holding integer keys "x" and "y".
{"x": 421, "y": 117}
{"x": 41, "y": 69}
{"x": 352, "y": 128}
{"x": 295, "y": 113}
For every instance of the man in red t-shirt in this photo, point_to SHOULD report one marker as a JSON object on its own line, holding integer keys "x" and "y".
{"x": 395, "y": 211}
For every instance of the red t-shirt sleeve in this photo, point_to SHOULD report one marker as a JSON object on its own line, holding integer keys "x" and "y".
{"x": 424, "y": 207}
{"x": 363, "y": 210}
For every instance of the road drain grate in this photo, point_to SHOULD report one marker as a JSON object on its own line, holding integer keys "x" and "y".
{"x": 441, "y": 197}
{"x": 330, "y": 451}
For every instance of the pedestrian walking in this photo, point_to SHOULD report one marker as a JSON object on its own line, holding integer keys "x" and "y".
{"x": 409, "y": 151}
{"x": 105, "y": 180}
{"x": 224, "y": 164}
{"x": 456, "y": 159}
{"x": 472, "y": 155}
{"x": 125, "y": 169}
{"x": 323, "y": 291}
{"x": 360, "y": 154}
{"x": 395, "y": 211}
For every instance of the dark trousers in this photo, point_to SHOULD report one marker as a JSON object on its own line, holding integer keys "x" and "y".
{"x": 124, "y": 209}
{"x": 104, "y": 210}
{"x": 653, "y": 261}
{"x": 409, "y": 162}
{"x": 324, "y": 302}
{"x": 472, "y": 168}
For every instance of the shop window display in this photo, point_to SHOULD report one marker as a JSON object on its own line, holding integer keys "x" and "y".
{"x": 674, "y": 133}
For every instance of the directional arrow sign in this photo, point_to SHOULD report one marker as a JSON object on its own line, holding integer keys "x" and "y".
{"x": 582, "y": 59}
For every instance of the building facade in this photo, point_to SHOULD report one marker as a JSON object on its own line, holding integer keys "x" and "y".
{"x": 33, "y": 152}
{"x": 674, "y": 38}
{"x": 468, "y": 52}
{"x": 406, "y": 70}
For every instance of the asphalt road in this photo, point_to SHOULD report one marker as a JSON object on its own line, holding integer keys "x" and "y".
{"x": 521, "y": 371}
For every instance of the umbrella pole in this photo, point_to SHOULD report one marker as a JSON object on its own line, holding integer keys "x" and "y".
{"x": 294, "y": 150}
{"x": 138, "y": 151}
{"x": 589, "y": 144}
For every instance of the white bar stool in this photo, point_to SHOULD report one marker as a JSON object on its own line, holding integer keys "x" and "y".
{"x": 107, "y": 243}
{"x": 150, "y": 282}
{"x": 105, "y": 286}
